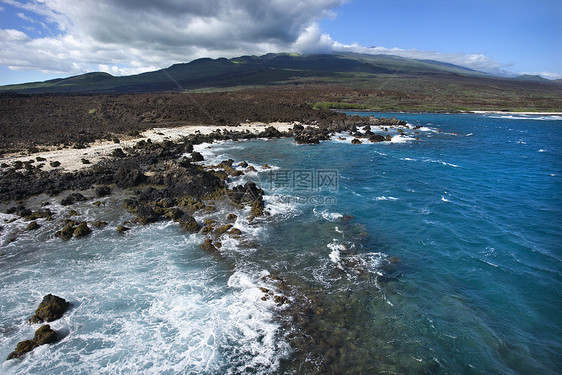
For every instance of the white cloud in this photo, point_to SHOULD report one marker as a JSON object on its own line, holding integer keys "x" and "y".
{"x": 547, "y": 75}
{"x": 11, "y": 35}
{"x": 311, "y": 40}
{"x": 24, "y": 17}
{"x": 472, "y": 61}
{"x": 90, "y": 34}
{"x": 133, "y": 36}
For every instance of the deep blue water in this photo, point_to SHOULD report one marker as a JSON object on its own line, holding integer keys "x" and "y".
{"x": 449, "y": 262}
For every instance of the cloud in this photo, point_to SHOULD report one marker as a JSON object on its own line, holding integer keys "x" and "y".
{"x": 547, "y": 75}
{"x": 116, "y": 34}
{"x": 24, "y": 17}
{"x": 11, "y": 35}
{"x": 133, "y": 36}
{"x": 472, "y": 61}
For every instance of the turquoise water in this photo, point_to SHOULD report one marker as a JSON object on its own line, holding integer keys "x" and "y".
{"x": 449, "y": 262}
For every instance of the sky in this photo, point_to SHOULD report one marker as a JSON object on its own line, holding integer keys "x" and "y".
{"x": 45, "y": 39}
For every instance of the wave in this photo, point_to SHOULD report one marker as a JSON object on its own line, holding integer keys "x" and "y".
{"x": 528, "y": 117}
{"x": 428, "y": 129}
{"x": 401, "y": 139}
{"x": 441, "y": 162}
{"x": 335, "y": 255}
{"x": 282, "y": 206}
{"x": 385, "y": 198}
{"x": 326, "y": 215}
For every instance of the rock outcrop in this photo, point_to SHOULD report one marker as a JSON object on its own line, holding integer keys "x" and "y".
{"x": 51, "y": 308}
{"x": 44, "y": 335}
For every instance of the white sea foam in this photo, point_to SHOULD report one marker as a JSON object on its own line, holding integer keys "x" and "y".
{"x": 427, "y": 129}
{"x": 385, "y": 198}
{"x": 441, "y": 162}
{"x": 543, "y": 150}
{"x": 148, "y": 303}
{"x": 527, "y": 117}
{"x": 342, "y": 138}
{"x": 401, "y": 139}
{"x": 444, "y": 199}
{"x": 335, "y": 255}
{"x": 326, "y": 215}
{"x": 281, "y": 206}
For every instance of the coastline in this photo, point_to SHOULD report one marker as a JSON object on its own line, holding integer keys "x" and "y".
{"x": 311, "y": 324}
{"x": 153, "y": 179}
{"x": 516, "y": 113}
{"x": 70, "y": 159}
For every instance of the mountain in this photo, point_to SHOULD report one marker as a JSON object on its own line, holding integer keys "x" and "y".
{"x": 266, "y": 70}
{"x": 533, "y": 78}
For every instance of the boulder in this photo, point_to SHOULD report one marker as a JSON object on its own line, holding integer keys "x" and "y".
{"x": 44, "y": 335}
{"x": 146, "y": 215}
{"x": 51, "y": 308}
{"x": 118, "y": 153}
{"x": 247, "y": 193}
{"x": 122, "y": 229}
{"x": 376, "y": 138}
{"x": 355, "y": 141}
{"x": 66, "y": 233}
{"x": 196, "y": 156}
{"x": 23, "y": 347}
{"x": 174, "y": 213}
{"x": 208, "y": 246}
{"x": 125, "y": 177}
{"x": 33, "y": 226}
{"x": 102, "y": 191}
{"x": 82, "y": 230}
{"x": 99, "y": 224}
{"x": 188, "y": 223}
{"x": 257, "y": 209}
{"x": 223, "y": 229}
{"x": 40, "y": 214}
{"x": 72, "y": 198}
{"x": 270, "y": 132}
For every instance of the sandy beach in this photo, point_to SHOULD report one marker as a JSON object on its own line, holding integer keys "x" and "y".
{"x": 71, "y": 159}
{"x": 517, "y": 113}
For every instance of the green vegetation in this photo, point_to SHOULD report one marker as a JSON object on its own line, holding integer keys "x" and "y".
{"x": 336, "y": 105}
{"x": 383, "y": 82}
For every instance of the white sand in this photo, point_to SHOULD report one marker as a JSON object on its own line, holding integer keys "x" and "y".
{"x": 71, "y": 159}
{"x": 517, "y": 113}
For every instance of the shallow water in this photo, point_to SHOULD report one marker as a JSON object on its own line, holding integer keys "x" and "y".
{"x": 450, "y": 263}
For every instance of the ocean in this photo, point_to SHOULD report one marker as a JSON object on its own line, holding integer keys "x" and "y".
{"x": 437, "y": 253}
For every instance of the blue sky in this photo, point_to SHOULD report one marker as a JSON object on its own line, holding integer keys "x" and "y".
{"x": 44, "y": 39}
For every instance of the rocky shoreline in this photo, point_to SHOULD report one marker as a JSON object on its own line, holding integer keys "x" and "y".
{"x": 165, "y": 181}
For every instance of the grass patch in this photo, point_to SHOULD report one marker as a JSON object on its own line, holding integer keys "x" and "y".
{"x": 335, "y": 105}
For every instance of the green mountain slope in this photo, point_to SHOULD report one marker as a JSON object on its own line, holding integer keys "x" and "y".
{"x": 270, "y": 69}
{"x": 379, "y": 82}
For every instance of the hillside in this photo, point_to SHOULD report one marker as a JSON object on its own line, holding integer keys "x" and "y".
{"x": 270, "y": 69}
{"x": 394, "y": 83}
